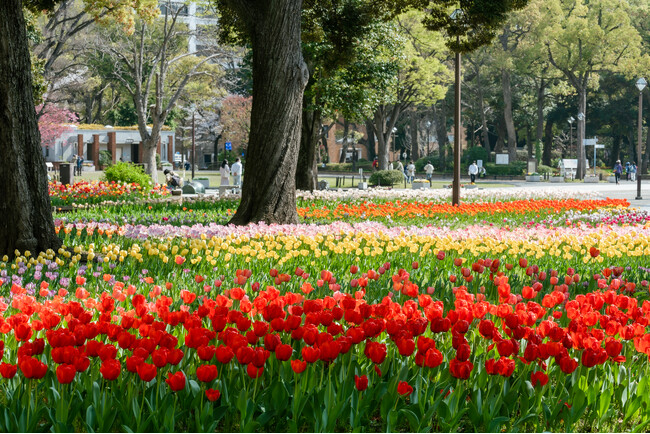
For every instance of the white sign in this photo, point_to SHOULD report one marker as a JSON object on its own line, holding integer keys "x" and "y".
{"x": 600, "y": 146}
{"x": 502, "y": 159}
{"x": 479, "y": 163}
{"x": 590, "y": 142}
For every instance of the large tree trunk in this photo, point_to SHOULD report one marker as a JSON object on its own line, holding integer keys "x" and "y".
{"x": 344, "y": 142}
{"x": 26, "y": 222}
{"x": 501, "y": 133}
{"x": 306, "y": 171}
{"x": 485, "y": 136}
{"x": 507, "y": 115}
{"x": 279, "y": 76}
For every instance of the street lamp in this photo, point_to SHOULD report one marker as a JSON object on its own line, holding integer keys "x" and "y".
{"x": 193, "y": 141}
{"x": 571, "y": 121}
{"x": 394, "y": 145}
{"x": 428, "y": 125}
{"x": 640, "y": 84}
{"x": 457, "y": 15}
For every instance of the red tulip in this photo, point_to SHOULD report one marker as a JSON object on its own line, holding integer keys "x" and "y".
{"x": 283, "y": 352}
{"x": 146, "y": 371}
{"x": 159, "y": 357}
{"x": 253, "y": 371}
{"x": 176, "y": 381}
{"x": 224, "y": 354}
{"x": 212, "y": 394}
{"x": 404, "y": 389}
{"x": 361, "y": 383}
{"x": 206, "y": 373}
{"x": 8, "y": 370}
{"x": 65, "y": 373}
{"x": 298, "y": 366}
{"x": 110, "y": 369}
{"x": 538, "y": 378}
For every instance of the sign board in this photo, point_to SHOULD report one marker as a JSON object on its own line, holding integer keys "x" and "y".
{"x": 502, "y": 159}
{"x": 228, "y": 146}
{"x": 600, "y": 146}
{"x": 590, "y": 142}
{"x": 177, "y": 157}
{"x": 479, "y": 163}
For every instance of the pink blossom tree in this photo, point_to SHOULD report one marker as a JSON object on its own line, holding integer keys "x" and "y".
{"x": 53, "y": 122}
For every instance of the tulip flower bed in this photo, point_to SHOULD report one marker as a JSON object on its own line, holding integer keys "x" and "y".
{"x": 341, "y": 327}
{"x": 512, "y": 213}
{"x": 94, "y": 192}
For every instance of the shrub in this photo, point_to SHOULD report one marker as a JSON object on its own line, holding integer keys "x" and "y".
{"x": 129, "y": 173}
{"x": 475, "y": 153}
{"x": 544, "y": 169}
{"x": 512, "y": 169}
{"x": 105, "y": 158}
{"x": 386, "y": 177}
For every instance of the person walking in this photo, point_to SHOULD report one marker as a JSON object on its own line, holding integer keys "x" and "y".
{"x": 627, "y": 170}
{"x": 618, "y": 169}
{"x": 236, "y": 171}
{"x": 473, "y": 171}
{"x": 428, "y": 169}
{"x": 224, "y": 171}
{"x": 633, "y": 171}
{"x": 410, "y": 172}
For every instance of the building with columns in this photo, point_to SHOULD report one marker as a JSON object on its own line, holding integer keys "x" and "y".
{"x": 123, "y": 144}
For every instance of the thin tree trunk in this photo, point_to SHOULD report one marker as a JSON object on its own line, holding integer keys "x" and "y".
{"x": 306, "y": 170}
{"x": 370, "y": 144}
{"x": 547, "y": 142}
{"x": 280, "y": 76}
{"x": 616, "y": 150}
{"x": 507, "y": 115}
{"x": 344, "y": 143}
{"x": 541, "y": 95}
{"x": 529, "y": 142}
{"x": 26, "y": 222}
{"x": 485, "y": 136}
{"x": 415, "y": 145}
{"x": 440, "y": 118}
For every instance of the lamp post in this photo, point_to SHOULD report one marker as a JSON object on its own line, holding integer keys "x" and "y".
{"x": 571, "y": 121}
{"x": 579, "y": 147}
{"x": 394, "y": 131}
{"x": 455, "y": 194}
{"x": 640, "y": 84}
{"x": 193, "y": 143}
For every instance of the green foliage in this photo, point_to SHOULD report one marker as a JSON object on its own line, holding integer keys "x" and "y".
{"x": 386, "y": 177}
{"x": 544, "y": 169}
{"x": 129, "y": 173}
{"x": 475, "y": 153}
{"x": 105, "y": 158}
{"x": 123, "y": 115}
{"x": 513, "y": 169}
{"x": 347, "y": 167}
{"x": 476, "y": 26}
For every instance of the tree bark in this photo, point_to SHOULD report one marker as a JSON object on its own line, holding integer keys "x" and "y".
{"x": 501, "y": 132}
{"x": 306, "y": 170}
{"x": 541, "y": 95}
{"x": 25, "y": 206}
{"x": 370, "y": 143}
{"x": 440, "y": 118}
{"x": 548, "y": 143}
{"x": 507, "y": 115}
{"x": 415, "y": 145}
{"x": 344, "y": 143}
{"x": 279, "y": 76}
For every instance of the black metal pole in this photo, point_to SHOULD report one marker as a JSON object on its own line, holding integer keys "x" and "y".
{"x": 638, "y": 149}
{"x": 455, "y": 197}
